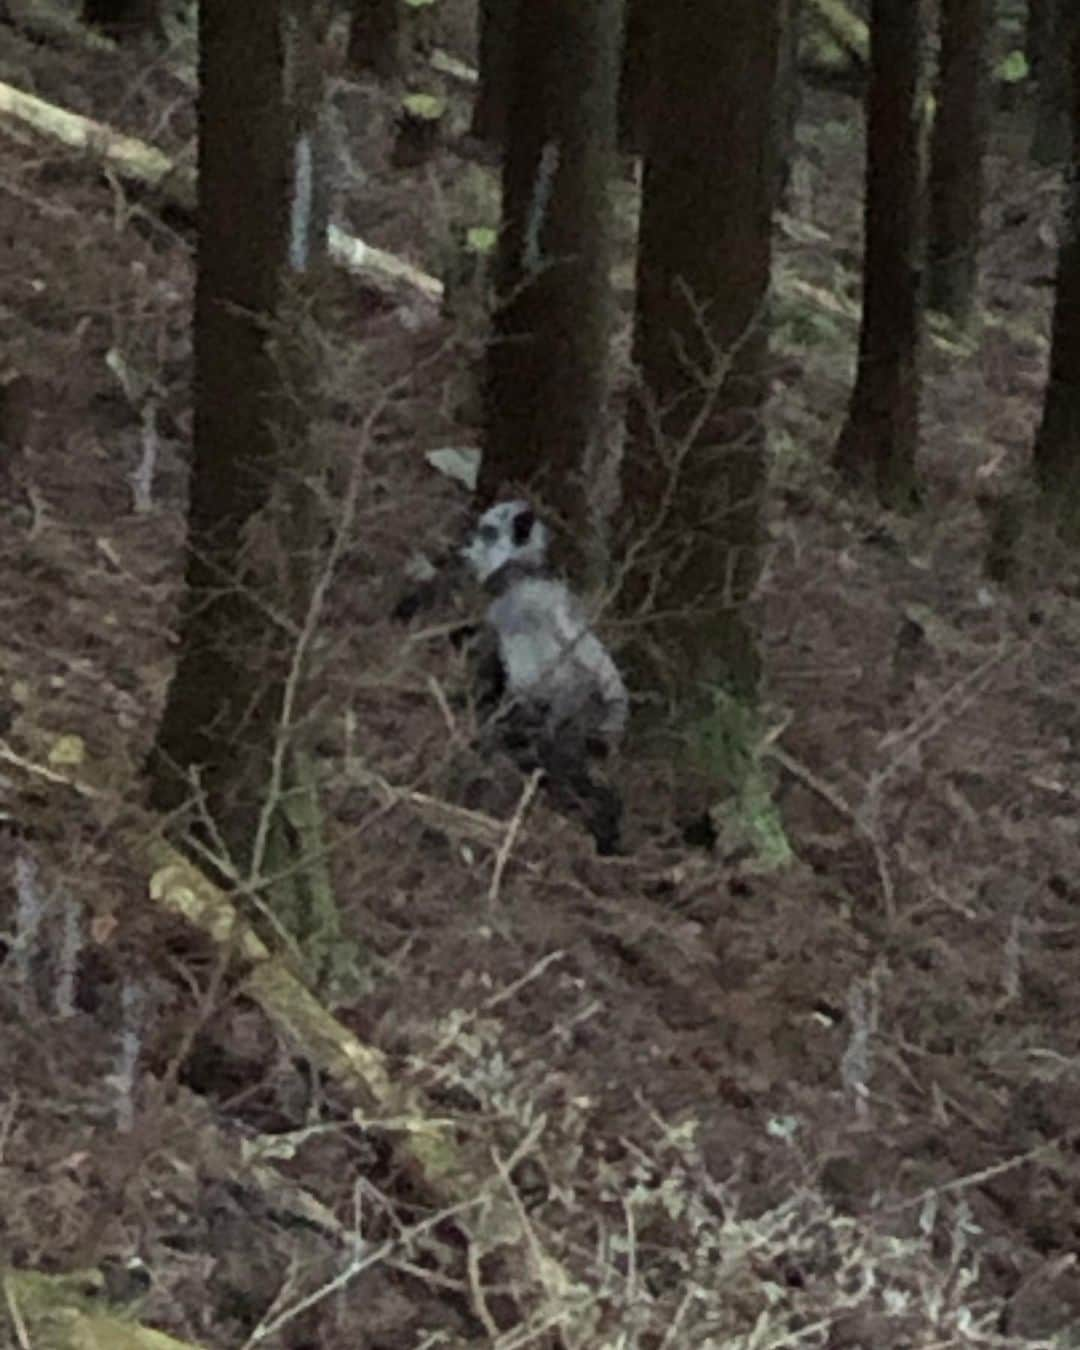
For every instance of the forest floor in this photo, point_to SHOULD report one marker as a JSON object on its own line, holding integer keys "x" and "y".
{"x": 836, "y": 1106}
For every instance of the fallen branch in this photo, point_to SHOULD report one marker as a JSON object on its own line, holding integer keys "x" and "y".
{"x": 846, "y": 29}
{"x": 132, "y": 159}
{"x": 177, "y": 186}
{"x": 453, "y": 1170}
{"x": 51, "y": 22}
{"x": 45, "y": 1309}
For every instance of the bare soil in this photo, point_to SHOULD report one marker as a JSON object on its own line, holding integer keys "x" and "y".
{"x": 832, "y": 1107}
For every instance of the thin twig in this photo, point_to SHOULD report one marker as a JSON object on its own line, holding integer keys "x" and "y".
{"x": 512, "y": 831}
{"x": 363, "y": 1258}
{"x": 15, "y": 1313}
{"x": 965, "y": 1183}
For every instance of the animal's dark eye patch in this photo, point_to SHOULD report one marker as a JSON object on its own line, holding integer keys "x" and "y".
{"x": 523, "y": 525}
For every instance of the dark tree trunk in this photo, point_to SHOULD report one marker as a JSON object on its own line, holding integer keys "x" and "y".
{"x": 1051, "y": 141}
{"x": 497, "y": 22}
{"x": 956, "y": 158}
{"x": 636, "y": 75}
{"x": 124, "y": 18}
{"x": 375, "y": 38}
{"x": 787, "y": 100}
{"x": 1037, "y": 34}
{"x": 880, "y": 440}
{"x": 546, "y": 378}
{"x": 260, "y": 217}
{"x": 694, "y": 460}
{"x": 1057, "y": 447}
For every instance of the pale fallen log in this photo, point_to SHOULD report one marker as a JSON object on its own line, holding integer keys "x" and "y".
{"x": 129, "y": 157}
{"x": 44, "y": 1309}
{"x": 52, "y": 22}
{"x": 176, "y": 184}
{"x": 847, "y": 30}
{"x": 446, "y": 64}
{"x": 354, "y": 255}
{"x": 456, "y": 1172}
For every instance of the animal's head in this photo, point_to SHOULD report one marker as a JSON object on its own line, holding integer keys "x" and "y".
{"x": 510, "y": 532}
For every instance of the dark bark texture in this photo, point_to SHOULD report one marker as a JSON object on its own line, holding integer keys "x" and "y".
{"x": 376, "y": 43}
{"x": 694, "y": 463}
{"x": 124, "y": 18}
{"x": 1037, "y": 33}
{"x": 218, "y": 699}
{"x": 637, "y": 74}
{"x": 496, "y": 26}
{"x": 956, "y": 158}
{"x": 546, "y": 377}
{"x": 1051, "y": 142}
{"x": 880, "y": 439}
{"x": 1057, "y": 447}
{"x": 787, "y": 99}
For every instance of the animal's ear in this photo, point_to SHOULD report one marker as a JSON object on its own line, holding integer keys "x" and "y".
{"x": 523, "y": 527}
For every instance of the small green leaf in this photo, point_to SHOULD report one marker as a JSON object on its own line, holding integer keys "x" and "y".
{"x": 426, "y": 107}
{"x": 1013, "y": 68}
{"x": 480, "y": 239}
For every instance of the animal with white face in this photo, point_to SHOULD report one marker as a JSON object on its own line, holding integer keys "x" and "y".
{"x": 556, "y": 698}
{"x": 553, "y": 664}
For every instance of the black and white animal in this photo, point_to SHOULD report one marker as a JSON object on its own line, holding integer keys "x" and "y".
{"x": 555, "y": 698}
{"x": 549, "y": 692}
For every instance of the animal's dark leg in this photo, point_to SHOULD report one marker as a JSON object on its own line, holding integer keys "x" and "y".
{"x": 573, "y": 789}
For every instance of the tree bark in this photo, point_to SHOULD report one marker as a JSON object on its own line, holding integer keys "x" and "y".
{"x": 956, "y": 158}
{"x": 880, "y": 439}
{"x": 375, "y": 38}
{"x": 636, "y": 75}
{"x": 497, "y": 23}
{"x": 546, "y": 375}
{"x": 1036, "y": 34}
{"x": 1051, "y": 142}
{"x": 787, "y": 100}
{"x": 694, "y": 460}
{"x": 1057, "y": 446}
{"x": 124, "y": 18}
{"x": 258, "y": 221}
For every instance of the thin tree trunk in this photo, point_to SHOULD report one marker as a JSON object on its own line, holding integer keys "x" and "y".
{"x": 259, "y": 219}
{"x": 124, "y": 18}
{"x": 546, "y": 378}
{"x": 1037, "y": 34}
{"x": 636, "y": 76}
{"x": 880, "y": 439}
{"x": 1050, "y": 143}
{"x": 694, "y": 459}
{"x": 786, "y": 100}
{"x": 956, "y": 158}
{"x": 375, "y": 38}
{"x": 1057, "y": 446}
{"x": 497, "y": 22}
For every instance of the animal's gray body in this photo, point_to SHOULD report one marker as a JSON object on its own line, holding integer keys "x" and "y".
{"x": 553, "y": 664}
{"x": 557, "y": 695}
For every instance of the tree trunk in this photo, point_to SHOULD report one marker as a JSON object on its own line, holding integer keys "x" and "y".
{"x": 694, "y": 459}
{"x": 497, "y": 23}
{"x": 259, "y": 218}
{"x": 636, "y": 75}
{"x": 880, "y": 440}
{"x": 124, "y": 18}
{"x": 546, "y": 376}
{"x": 1051, "y": 141}
{"x": 956, "y": 158}
{"x": 1057, "y": 446}
{"x": 375, "y": 38}
{"x": 786, "y": 100}
{"x": 1037, "y": 34}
